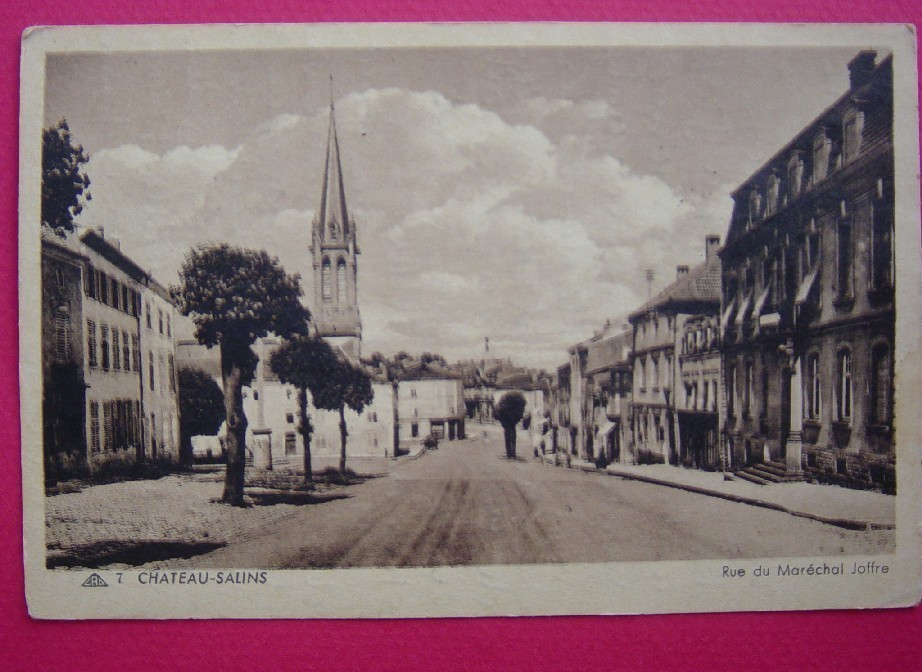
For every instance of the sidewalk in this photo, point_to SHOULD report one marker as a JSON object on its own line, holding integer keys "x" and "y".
{"x": 850, "y": 509}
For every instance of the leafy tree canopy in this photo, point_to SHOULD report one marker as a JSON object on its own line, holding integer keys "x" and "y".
{"x": 237, "y": 295}
{"x": 64, "y": 184}
{"x": 201, "y": 403}
{"x": 510, "y": 409}
{"x": 305, "y": 362}
{"x": 348, "y": 386}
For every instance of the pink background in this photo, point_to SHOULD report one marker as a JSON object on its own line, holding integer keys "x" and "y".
{"x": 785, "y": 641}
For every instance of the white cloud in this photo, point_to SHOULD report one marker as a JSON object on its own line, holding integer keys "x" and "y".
{"x": 470, "y": 224}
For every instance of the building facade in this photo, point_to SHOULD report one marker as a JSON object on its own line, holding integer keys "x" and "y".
{"x": 92, "y": 345}
{"x": 430, "y": 404}
{"x": 808, "y": 288}
{"x": 699, "y": 393}
{"x": 658, "y": 330}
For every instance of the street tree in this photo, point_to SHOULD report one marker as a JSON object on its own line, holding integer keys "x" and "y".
{"x": 509, "y": 411}
{"x": 234, "y": 296}
{"x": 308, "y": 363}
{"x": 349, "y": 387}
{"x": 64, "y": 184}
{"x": 201, "y": 408}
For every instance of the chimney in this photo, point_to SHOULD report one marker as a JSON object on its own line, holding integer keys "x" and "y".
{"x": 711, "y": 245}
{"x": 681, "y": 271}
{"x": 861, "y": 67}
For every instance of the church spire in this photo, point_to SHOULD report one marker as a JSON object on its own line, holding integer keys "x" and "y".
{"x": 333, "y": 217}
{"x": 335, "y": 311}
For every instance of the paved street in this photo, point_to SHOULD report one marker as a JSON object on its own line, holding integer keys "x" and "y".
{"x": 466, "y": 504}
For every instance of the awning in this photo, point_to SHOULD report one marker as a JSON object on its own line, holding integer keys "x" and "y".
{"x": 806, "y": 285}
{"x": 760, "y": 302}
{"x": 744, "y": 309}
{"x": 607, "y": 428}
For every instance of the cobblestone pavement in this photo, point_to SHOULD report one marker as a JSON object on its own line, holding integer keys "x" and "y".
{"x": 177, "y": 514}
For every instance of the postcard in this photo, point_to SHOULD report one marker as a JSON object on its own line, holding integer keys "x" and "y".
{"x": 408, "y": 320}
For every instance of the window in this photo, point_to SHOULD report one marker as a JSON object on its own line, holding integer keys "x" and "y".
{"x": 126, "y": 351}
{"x": 655, "y": 373}
{"x": 291, "y": 443}
{"x": 713, "y": 395}
{"x": 171, "y": 372}
{"x": 126, "y": 305}
{"x": 795, "y": 175}
{"x": 771, "y": 200}
{"x": 104, "y": 345}
{"x": 169, "y": 326}
{"x": 844, "y": 386}
{"x": 136, "y": 351}
{"x": 62, "y": 333}
{"x": 161, "y": 368}
{"x": 116, "y": 352}
{"x": 845, "y": 268}
{"x": 412, "y": 393}
{"x": 114, "y": 293}
{"x": 755, "y": 206}
{"x": 341, "y": 281}
{"x": 851, "y": 134}
{"x": 89, "y": 282}
{"x": 881, "y": 386}
{"x": 881, "y": 245}
{"x": 813, "y": 385}
{"x": 414, "y": 430}
{"x": 150, "y": 370}
{"x": 94, "y": 427}
{"x": 326, "y": 280}
{"x": 91, "y": 343}
{"x": 160, "y": 319}
{"x": 107, "y": 425}
{"x": 102, "y": 282}
{"x": 643, "y": 374}
{"x": 255, "y": 395}
{"x": 820, "y": 157}
{"x": 149, "y": 318}
{"x": 290, "y": 418}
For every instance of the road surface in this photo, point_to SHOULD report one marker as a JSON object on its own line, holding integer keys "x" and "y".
{"x": 465, "y": 504}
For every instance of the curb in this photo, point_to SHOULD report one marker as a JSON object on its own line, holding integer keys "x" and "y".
{"x": 845, "y": 523}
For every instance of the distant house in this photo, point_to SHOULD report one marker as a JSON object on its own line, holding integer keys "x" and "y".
{"x": 430, "y": 401}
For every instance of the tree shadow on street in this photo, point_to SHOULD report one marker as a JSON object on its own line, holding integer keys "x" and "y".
{"x": 294, "y": 497}
{"x": 133, "y": 553}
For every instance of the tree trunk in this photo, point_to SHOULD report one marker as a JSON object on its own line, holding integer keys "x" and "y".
{"x": 342, "y": 441}
{"x": 305, "y": 434}
{"x": 236, "y": 430}
{"x": 185, "y": 448}
{"x": 509, "y": 436}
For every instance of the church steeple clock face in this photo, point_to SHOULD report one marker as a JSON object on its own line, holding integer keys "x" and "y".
{"x": 335, "y": 310}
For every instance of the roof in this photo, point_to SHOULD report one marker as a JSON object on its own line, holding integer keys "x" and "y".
{"x": 700, "y": 285}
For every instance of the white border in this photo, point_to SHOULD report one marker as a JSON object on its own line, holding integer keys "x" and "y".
{"x": 639, "y": 587}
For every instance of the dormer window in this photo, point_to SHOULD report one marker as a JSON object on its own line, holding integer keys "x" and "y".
{"x": 852, "y": 127}
{"x": 755, "y": 206}
{"x": 771, "y": 201}
{"x": 795, "y": 175}
{"x": 821, "y": 148}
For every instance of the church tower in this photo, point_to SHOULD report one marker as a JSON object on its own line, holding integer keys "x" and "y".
{"x": 334, "y": 251}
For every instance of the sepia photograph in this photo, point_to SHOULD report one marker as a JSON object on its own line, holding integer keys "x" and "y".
{"x": 527, "y": 320}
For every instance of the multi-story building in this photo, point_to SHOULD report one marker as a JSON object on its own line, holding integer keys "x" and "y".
{"x": 808, "y": 282}
{"x": 608, "y": 382}
{"x": 63, "y": 357}
{"x": 95, "y": 403}
{"x": 158, "y": 370}
{"x": 430, "y": 403}
{"x": 698, "y": 394}
{"x": 658, "y": 328}
{"x": 112, "y": 311}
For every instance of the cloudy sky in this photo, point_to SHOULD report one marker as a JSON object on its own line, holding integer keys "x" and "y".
{"x": 512, "y": 193}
